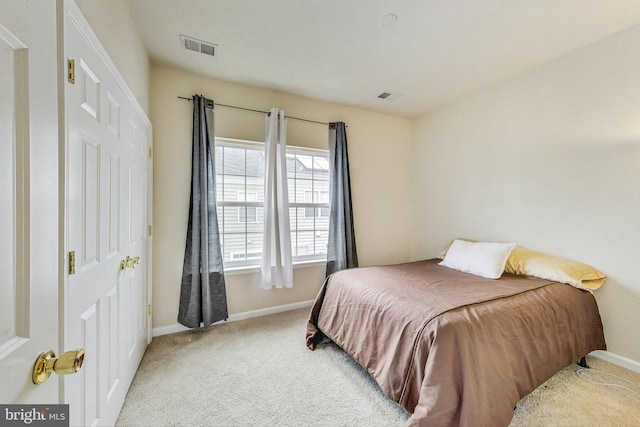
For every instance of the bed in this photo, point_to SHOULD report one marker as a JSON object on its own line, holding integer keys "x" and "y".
{"x": 450, "y": 347}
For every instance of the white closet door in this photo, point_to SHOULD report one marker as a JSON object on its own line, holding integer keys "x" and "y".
{"x": 107, "y": 205}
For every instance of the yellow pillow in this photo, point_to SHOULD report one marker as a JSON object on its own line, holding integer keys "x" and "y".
{"x": 531, "y": 263}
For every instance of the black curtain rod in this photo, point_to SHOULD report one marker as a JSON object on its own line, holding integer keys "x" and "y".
{"x": 258, "y": 111}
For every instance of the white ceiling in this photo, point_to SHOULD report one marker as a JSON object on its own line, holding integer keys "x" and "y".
{"x": 338, "y": 50}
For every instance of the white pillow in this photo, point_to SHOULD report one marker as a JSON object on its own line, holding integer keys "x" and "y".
{"x": 486, "y": 259}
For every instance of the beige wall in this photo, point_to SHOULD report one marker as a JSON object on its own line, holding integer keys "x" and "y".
{"x": 113, "y": 23}
{"x": 379, "y": 150}
{"x": 550, "y": 160}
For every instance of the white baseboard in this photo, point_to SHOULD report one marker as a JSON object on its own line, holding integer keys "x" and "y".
{"x": 616, "y": 359}
{"x": 170, "y": 329}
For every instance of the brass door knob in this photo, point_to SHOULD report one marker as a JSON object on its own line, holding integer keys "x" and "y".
{"x": 129, "y": 262}
{"x": 69, "y": 362}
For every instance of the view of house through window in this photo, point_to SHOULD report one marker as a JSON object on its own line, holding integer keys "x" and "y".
{"x": 240, "y": 200}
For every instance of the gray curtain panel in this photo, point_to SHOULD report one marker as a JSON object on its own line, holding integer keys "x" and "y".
{"x": 341, "y": 251}
{"x": 203, "y": 297}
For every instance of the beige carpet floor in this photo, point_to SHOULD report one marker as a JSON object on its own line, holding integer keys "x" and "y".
{"x": 258, "y": 372}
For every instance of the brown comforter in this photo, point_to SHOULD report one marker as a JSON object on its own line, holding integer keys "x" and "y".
{"x": 450, "y": 347}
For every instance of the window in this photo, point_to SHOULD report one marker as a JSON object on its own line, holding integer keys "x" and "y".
{"x": 240, "y": 201}
{"x": 308, "y": 175}
{"x": 240, "y": 197}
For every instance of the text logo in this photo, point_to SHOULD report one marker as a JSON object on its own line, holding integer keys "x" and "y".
{"x": 34, "y": 415}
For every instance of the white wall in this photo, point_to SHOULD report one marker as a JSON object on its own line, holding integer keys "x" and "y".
{"x": 379, "y": 150}
{"x": 550, "y": 160}
{"x": 113, "y": 23}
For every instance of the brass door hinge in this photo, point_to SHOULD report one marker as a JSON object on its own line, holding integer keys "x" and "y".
{"x": 72, "y": 263}
{"x": 148, "y": 310}
{"x": 71, "y": 71}
{"x": 149, "y": 230}
{"x": 150, "y": 151}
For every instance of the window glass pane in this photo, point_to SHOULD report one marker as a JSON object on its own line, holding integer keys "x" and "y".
{"x": 321, "y": 163}
{"x": 224, "y": 256}
{"x": 305, "y": 175}
{"x": 299, "y": 193}
{"x": 291, "y": 184}
{"x": 255, "y": 221}
{"x": 322, "y": 191}
{"x": 321, "y": 177}
{"x": 220, "y": 213}
{"x": 302, "y": 187}
{"x": 233, "y": 246}
{"x": 248, "y": 196}
{"x": 234, "y": 166}
{"x": 219, "y": 188}
{"x": 304, "y": 167}
{"x": 302, "y": 250}
{"x": 254, "y": 246}
{"x": 292, "y": 165}
{"x": 322, "y": 223}
{"x": 305, "y": 222}
{"x": 234, "y": 160}
{"x": 249, "y": 215}
{"x": 308, "y": 196}
{"x": 255, "y": 163}
{"x": 306, "y": 162}
{"x": 293, "y": 220}
{"x": 252, "y": 214}
{"x": 306, "y": 240}
{"x": 219, "y": 174}
{"x": 255, "y": 188}
{"x": 218, "y": 156}
{"x": 233, "y": 186}
{"x": 233, "y": 219}
{"x": 322, "y": 237}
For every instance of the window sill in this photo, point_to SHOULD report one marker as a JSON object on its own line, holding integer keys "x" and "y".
{"x": 250, "y": 269}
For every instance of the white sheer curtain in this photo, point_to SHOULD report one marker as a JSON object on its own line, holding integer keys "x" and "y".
{"x": 277, "y": 267}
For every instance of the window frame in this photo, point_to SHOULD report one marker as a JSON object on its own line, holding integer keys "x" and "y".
{"x": 253, "y": 264}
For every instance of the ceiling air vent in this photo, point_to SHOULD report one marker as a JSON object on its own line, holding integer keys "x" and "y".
{"x": 195, "y": 45}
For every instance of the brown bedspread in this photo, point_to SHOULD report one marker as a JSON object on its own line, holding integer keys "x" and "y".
{"x": 451, "y": 347}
